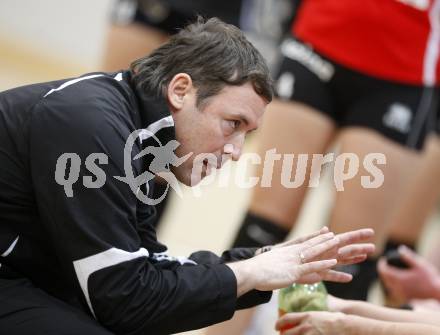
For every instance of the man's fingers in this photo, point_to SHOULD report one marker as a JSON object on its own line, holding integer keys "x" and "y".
{"x": 310, "y": 278}
{"x": 302, "y": 239}
{"x": 352, "y": 260}
{"x": 337, "y": 276}
{"x": 353, "y": 250}
{"x": 317, "y": 240}
{"x": 318, "y": 266}
{"x": 355, "y": 236}
{"x": 290, "y": 319}
{"x": 319, "y": 249}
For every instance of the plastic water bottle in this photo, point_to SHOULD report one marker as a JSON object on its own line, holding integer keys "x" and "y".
{"x": 302, "y": 298}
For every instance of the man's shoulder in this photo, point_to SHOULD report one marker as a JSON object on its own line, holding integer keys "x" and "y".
{"x": 93, "y": 96}
{"x": 87, "y": 110}
{"x": 96, "y": 86}
{"x": 95, "y": 89}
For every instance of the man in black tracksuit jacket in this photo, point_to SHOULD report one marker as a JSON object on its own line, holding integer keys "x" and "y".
{"x": 96, "y": 249}
{"x": 77, "y": 247}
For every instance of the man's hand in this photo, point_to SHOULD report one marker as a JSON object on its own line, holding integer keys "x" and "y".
{"x": 420, "y": 281}
{"x": 285, "y": 264}
{"x": 349, "y": 250}
{"x": 307, "y": 259}
{"x": 311, "y": 323}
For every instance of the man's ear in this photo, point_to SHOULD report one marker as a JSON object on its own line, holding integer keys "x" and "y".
{"x": 179, "y": 86}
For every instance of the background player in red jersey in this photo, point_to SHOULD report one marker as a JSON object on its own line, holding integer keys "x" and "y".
{"x": 364, "y": 76}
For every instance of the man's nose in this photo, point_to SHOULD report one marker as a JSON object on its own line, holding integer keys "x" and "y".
{"x": 234, "y": 148}
{"x": 236, "y": 154}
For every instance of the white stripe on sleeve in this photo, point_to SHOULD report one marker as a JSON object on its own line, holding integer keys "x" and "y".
{"x": 86, "y": 266}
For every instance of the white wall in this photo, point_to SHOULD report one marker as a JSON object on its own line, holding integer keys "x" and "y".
{"x": 62, "y": 29}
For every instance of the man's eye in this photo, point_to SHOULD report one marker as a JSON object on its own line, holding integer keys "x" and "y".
{"x": 234, "y": 124}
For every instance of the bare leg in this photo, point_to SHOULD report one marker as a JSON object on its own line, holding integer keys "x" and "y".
{"x": 291, "y": 128}
{"x": 409, "y": 219}
{"x": 358, "y": 207}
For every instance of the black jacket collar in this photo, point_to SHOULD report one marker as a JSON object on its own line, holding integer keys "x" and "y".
{"x": 153, "y": 111}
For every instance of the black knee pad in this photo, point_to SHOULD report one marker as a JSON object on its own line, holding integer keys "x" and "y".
{"x": 256, "y": 231}
{"x": 364, "y": 274}
{"x": 392, "y": 244}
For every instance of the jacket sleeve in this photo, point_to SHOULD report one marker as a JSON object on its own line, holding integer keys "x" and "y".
{"x": 251, "y": 298}
{"x": 94, "y": 228}
{"x": 254, "y": 297}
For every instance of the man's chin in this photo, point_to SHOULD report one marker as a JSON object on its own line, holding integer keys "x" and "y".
{"x": 189, "y": 180}
{"x": 194, "y": 181}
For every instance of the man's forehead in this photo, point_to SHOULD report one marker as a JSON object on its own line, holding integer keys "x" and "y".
{"x": 241, "y": 102}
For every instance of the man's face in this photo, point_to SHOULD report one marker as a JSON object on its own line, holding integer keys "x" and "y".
{"x": 219, "y": 127}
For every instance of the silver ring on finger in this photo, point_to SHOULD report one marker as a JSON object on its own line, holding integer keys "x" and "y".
{"x": 302, "y": 257}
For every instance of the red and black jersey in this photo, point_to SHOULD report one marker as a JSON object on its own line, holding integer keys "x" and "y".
{"x": 397, "y": 40}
